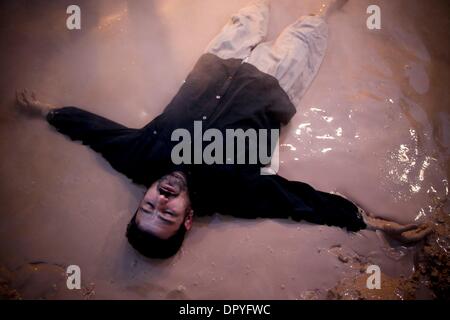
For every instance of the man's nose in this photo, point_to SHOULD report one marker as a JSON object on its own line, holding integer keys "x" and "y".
{"x": 162, "y": 202}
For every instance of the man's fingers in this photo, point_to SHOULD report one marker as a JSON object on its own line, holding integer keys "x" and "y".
{"x": 24, "y": 97}
{"x": 393, "y": 227}
{"x": 416, "y": 235}
{"x": 20, "y": 99}
{"x": 33, "y": 96}
{"x": 407, "y": 227}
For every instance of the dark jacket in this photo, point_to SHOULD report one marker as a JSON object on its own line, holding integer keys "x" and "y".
{"x": 222, "y": 94}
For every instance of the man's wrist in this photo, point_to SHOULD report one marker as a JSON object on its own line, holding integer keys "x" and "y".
{"x": 45, "y": 109}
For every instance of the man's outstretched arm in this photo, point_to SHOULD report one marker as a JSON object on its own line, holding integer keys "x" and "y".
{"x": 119, "y": 145}
{"x": 404, "y": 233}
{"x": 270, "y": 196}
{"x": 78, "y": 124}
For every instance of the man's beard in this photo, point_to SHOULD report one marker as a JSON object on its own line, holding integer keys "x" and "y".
{"x": 174, "y": 183}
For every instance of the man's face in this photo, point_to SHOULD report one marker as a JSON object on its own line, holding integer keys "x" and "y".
{"x": 165, "y": 206}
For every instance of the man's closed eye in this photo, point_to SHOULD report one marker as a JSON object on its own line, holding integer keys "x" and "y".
{"x": 149, "y": 208}
{"x": 173, "y": 214}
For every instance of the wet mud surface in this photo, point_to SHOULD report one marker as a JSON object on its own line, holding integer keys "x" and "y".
{"x": 374, "y": 126}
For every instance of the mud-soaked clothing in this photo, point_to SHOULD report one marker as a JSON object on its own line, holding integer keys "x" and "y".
{"x": 223, "y": 94}
{"x": 294, "y": 57}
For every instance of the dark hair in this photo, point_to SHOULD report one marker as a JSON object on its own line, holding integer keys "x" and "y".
{"x": 151, "y": 246}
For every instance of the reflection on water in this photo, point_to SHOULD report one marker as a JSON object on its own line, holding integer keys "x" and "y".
{"x": 383, "y": 123}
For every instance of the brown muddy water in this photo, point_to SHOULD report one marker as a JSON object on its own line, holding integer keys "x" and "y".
{"x": 374, "y": 125}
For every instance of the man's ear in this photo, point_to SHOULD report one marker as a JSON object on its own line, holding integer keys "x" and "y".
{"x": 188, "y": 219}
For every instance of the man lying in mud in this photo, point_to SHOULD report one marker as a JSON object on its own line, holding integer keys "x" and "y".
{"x": 240, "y": 82}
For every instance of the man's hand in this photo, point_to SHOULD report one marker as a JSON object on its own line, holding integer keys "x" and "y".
{"x": 404, "y": 233}
{"x": 28, "y": 103}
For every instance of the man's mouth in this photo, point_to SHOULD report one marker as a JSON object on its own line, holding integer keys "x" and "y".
{"x": 167, "y": 188}
{"x": 172, "y": 184}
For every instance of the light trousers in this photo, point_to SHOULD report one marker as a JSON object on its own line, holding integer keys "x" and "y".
{"x": 293, "y": 58}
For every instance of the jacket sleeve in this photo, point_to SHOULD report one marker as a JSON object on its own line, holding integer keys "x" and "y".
{"x": 276, "y": 197}
{"x": 319, "y": 207}
{"x": 118, "y": 144}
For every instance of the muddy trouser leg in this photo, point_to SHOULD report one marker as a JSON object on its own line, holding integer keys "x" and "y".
{"x": 246, "y": 29}
{"x": 295, "y": 56}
